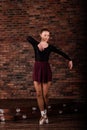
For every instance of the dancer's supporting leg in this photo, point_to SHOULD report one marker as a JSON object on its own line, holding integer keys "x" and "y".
{"x": 42, "y": 99}
{"x": 46, "y": 87}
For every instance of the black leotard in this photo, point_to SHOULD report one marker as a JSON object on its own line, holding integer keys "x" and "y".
{"x": 44, "y": 55}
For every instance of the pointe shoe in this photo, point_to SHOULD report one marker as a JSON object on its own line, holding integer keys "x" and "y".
{"x": 43, "y": 120}
{"x": 46, "y": 120}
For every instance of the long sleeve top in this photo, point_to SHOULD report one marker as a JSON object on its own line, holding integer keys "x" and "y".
{"x": 44, "y": 55}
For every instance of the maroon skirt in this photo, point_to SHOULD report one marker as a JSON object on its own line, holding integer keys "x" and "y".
{"x": 42, "y": 72}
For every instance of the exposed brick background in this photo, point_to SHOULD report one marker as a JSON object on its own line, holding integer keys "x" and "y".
{"x": 20, "y": 18}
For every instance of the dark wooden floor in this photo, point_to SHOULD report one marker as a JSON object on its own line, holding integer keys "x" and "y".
{"x": 61, "y": 122}
{"x": 63, "y": 115}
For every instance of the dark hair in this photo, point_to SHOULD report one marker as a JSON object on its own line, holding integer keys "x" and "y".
{"x": 44, "y": 29}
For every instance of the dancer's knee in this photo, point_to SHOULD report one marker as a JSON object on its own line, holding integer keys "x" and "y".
{"x": 39, "y": 94}
{"x": 46, "y": 95}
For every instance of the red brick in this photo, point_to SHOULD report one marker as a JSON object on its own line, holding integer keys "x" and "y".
{"x": 18, "y": 19}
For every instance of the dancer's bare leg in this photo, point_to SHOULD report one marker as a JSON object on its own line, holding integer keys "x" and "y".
{"x": 42, "y": 92}
{"x": 38, "y": 88}
{"x": 46, "y": 87}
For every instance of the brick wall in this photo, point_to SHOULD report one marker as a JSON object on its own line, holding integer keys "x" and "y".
{"x": 20, "y": 18}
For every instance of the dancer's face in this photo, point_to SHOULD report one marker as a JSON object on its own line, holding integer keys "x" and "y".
{"x": 45, "y": 35}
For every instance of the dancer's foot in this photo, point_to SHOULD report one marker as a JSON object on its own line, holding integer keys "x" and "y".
{"x": 43, "y": 120}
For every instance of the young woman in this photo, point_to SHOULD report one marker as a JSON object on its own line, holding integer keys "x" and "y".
{"x": 42, "y": 75}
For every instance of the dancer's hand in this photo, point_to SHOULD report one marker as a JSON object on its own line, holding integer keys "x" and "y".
{"x": 70, "y": 65}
